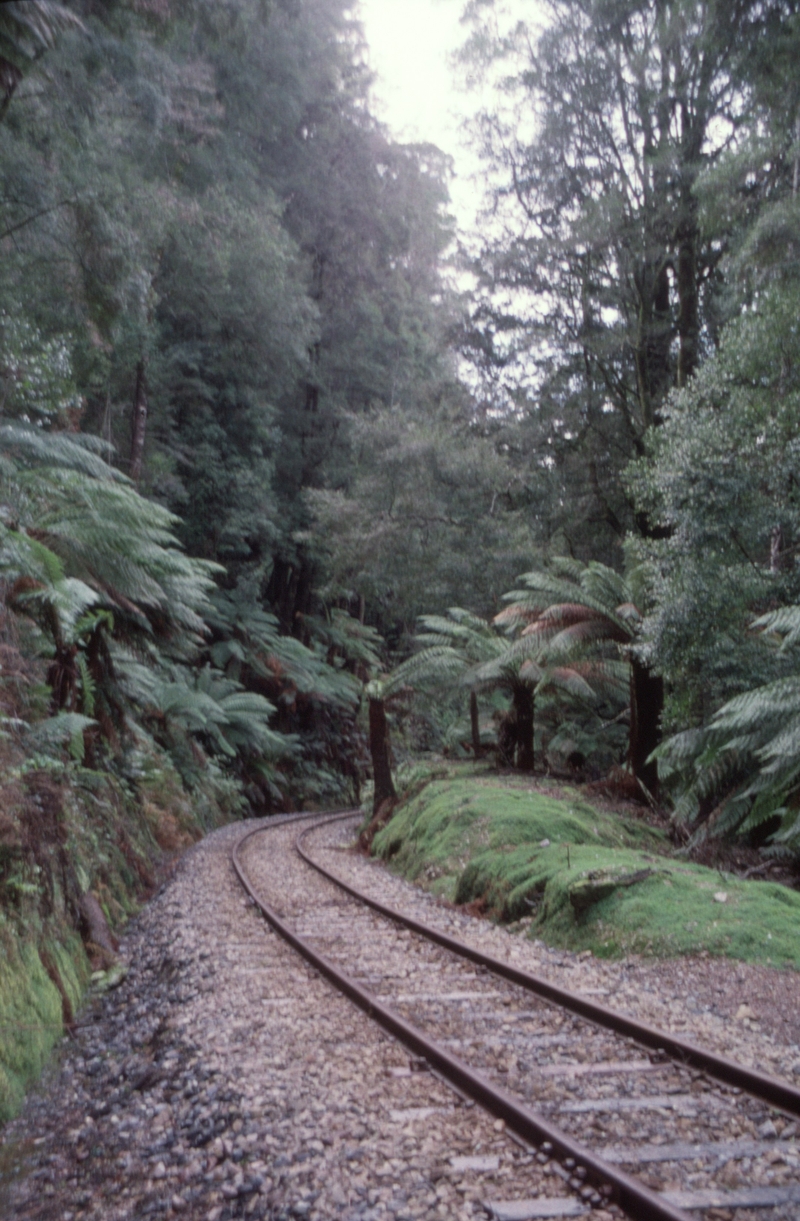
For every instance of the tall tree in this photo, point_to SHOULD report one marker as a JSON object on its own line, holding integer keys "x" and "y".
{"x": 598, "y": 278}
{"x": 597, "y": 275}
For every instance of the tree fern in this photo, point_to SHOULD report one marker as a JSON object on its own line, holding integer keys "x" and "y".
{"x": 59, "y": 492}
{"x": 571, "y": 612}
{"x": 746, "y": 762}
{"x": 99, "y": 569}
{"x": 250, "y": 642}
{"x": 461, "y": 650}
{"x": 28, "y": 28}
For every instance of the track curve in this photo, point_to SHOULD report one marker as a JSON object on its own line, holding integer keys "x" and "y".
{"x": 771, "y": 1089}
{"x": 586, "y": 1169}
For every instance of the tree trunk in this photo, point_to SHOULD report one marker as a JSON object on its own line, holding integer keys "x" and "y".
{"x": 647, "y": 702}
{"x": 688, "y": 300}
{"x": 379, "y": 749}
{"x": 653, "y": 340}
{"x": 475, "y": 724}
{"x": 138, "y": 422}
{"x": 289, "y": 592}
{"x": 523, "y": 714}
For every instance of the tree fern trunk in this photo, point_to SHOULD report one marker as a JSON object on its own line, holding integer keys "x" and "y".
{"x": 379, "y": 749}
{"x": 475, "y": 725}
{"x": 523, "y": 711}
{"x": 138, "y": 422}
{"x": 647, "y": 703}
{"x": 289, "y": 593}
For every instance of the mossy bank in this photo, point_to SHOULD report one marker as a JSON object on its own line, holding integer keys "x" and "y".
{"x": 581, "y": 877}
{"x": 67, "y": 832}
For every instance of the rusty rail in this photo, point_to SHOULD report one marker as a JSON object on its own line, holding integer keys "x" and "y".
{"x": 770, "y": 1089}
{"x": 638, "y": 1201}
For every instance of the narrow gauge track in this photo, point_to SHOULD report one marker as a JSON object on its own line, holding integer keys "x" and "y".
{"x": 558, "y": 1069}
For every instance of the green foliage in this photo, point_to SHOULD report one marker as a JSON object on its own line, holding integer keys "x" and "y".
{"x": 223, "y": 275}
{"x": 453, "y": 649}
{"x": 727, "y": 555}
{"x": 90, "y": 562}
{"x": 598, "y": 287}
{"x": 28, "y": 29}
{"x": 741, "y": 771}
{"x": 564, "y": 636}
{"x": 36, "y": 374}
{"x": 233, "y": 332}
{"x": 64, "y": 729}
{"x": 570, "y": 610}
{"x": 730, "y": 525}
{"x": 422, "y": 519}
{"x": 97, "y": 567}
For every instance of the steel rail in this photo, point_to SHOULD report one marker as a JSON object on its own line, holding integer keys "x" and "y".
{"x": 638, "y": 1201}
{"x": 760, "y": 1085}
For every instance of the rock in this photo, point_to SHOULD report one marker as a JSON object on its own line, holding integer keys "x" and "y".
{"x": 94, "y": 927}
{"x": 767, "y": 1130}
{"x": 587, "y": 891}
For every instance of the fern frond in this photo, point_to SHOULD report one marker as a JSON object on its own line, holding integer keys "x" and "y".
{"x": 565, "y": 566}
{"x": 784, "y": 622}
{"x": 64, "y": 730}
{"x": 437, "y": 665}
{"x": 605, "y": 586}
{"x": 566, "y": 679}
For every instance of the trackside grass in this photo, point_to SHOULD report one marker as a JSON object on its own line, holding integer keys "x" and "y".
{"x": 580, "y": 877}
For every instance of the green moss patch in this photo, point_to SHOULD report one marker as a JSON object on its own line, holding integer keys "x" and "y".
{"x": 458, "y": 822}
{"x": 30, "y": 1021}
{"x": 66, "y": 830}
{"x": 580, "y": 877}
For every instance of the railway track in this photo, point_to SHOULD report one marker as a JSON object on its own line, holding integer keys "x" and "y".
{"x": 614, "y": 1112}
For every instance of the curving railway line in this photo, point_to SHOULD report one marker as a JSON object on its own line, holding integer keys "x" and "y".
{"x": 615, "y": 1113}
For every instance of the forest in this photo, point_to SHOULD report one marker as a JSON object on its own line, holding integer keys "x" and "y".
{"x": 291, "y": 464}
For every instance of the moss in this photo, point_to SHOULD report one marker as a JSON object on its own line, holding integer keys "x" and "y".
{"x": 580, "y": 877}
{"x": 73, "y": 967}
{"x": 30, "y": 1022}
{"x": 451, "y": 822}
{"x": 73, "y": 830}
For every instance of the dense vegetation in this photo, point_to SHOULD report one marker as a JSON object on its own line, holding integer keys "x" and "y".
{"x": 633, "y": 332}
{"x": 261, "y": 411}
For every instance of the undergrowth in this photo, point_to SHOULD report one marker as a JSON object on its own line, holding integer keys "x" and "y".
{"x": 67, "y": 830}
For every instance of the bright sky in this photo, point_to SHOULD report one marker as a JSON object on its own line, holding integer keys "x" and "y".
{"x": 415, "y": 93}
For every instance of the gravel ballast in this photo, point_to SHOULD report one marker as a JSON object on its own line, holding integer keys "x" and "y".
{"x": 224, "y": 1079}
